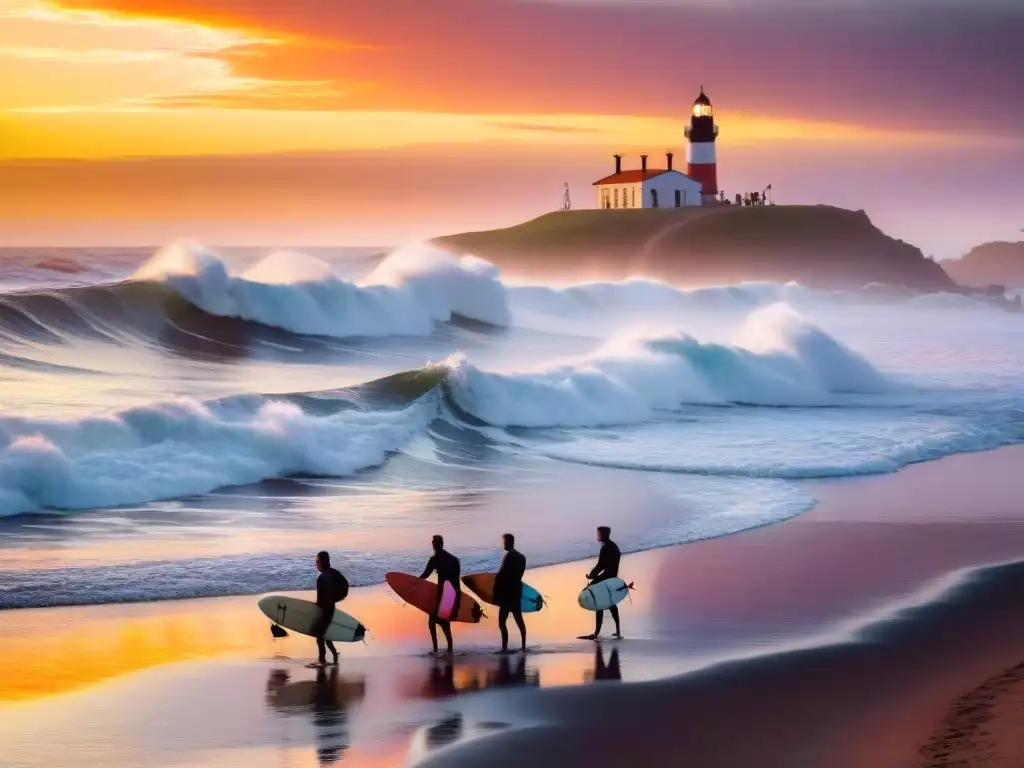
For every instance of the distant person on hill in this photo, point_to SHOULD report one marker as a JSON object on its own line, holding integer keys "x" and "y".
{"x": 508, "y": 590}
{"x": 607, "y": 568}
{"x": 448, "y": 569}
{"x": 331, "y": 588}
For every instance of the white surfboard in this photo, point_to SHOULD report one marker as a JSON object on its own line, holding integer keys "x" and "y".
{"x": 301, "y": 615}
{"x": 604, "y": 594}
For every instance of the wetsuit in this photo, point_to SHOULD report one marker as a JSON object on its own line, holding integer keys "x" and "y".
{"x": 607, "y": 568}
{"x": 508, "y": 594}
{"x": 331, "y": 587}
{"x": 448, "y": 569}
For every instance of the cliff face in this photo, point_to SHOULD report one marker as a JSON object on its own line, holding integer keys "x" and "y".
{"x": 998, "y": 263}
{"x": 818, "y": 246}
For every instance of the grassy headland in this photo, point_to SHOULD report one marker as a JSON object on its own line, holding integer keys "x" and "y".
{"x": 817, "y": 245}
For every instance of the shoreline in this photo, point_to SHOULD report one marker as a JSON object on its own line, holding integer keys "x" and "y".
{"x": 808, "y": 483}
{"x": 890, "y": 589}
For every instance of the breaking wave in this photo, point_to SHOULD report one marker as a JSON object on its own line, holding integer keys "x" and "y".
{"x": 188, "y": 290}
{"x": 186, "y": 447}
{"x": 407, "y": 294}
{"x": 777, "y": 359}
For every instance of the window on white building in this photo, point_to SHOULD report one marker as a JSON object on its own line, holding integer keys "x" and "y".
{"x": 633, "y": 202}
{"x": 616, "y": 197}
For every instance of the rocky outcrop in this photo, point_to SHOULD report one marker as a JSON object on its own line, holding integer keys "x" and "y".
{"x": 997, "y": 263}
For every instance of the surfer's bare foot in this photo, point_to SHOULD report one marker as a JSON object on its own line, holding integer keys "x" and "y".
{"x": 588, "y": 637}
{"x": 617, "y": 635}
{"x": 316, "y": 665}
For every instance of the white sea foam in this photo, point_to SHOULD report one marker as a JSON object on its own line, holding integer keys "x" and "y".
{"x": 186, "y": 447}
{"x": 645, "y": 294}
{"x": 408, "y": 293}
{"x": 777, "y": 358}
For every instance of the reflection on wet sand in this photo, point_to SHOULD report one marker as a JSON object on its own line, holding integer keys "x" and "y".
{"x": 505, "y": 674}
{"x": 448, "y": 677}
{"x": 602, "y": 671}
{"x": 326, "y": 700}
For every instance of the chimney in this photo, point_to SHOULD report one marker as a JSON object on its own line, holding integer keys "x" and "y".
{"x": 643, "y": 163}
{"x": 668, "y": 157}
{"x": 618, "y": 163}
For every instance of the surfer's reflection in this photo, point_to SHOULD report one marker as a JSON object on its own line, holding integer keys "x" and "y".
{"x": 506, "y": 675}
{"x": 326, "y": 700}
{"x": 447, "y": 678}
{"x": 440, "y": 683}
{"x": 602, "y": 671}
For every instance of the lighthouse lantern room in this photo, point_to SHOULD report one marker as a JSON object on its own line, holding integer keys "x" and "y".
{"x": 700, "y": 150}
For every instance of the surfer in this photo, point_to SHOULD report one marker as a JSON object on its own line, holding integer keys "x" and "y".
{"x": 448, "y": 569}
{"x": 508, "y": 590}
{"x": 331, "y": 588}
{"x": 607, "y": 568}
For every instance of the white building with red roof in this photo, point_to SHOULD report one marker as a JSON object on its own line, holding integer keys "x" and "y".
{"x": 647, "y": 187}
{"x": 666, "y": 187}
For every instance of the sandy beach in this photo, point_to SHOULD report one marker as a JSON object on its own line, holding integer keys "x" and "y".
{"x": 880, "y": 629}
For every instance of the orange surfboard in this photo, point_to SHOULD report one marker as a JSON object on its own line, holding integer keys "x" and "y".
{"x": 423, "y": 595}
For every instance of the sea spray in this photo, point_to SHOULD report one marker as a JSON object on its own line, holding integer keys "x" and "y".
{"x": 185, "y": 447}
{"x": 778, "y": 359}
{"x": 410, "y": 292}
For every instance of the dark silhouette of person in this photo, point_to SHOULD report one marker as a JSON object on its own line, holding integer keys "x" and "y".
{"x": 607, "y": 568}
{"x": 326, "y": 701}
{"x": 331, "y": 588}
{"x": 610, "y": 671}
{"x": 441, "y": 681}
{"x": 329, "y": 718}
{"x": 508, "y": 590}
{"x": 505, "y": 675}
{"x": 448, "y": 569}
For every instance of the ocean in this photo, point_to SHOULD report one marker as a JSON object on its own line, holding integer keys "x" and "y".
{"x": 188, "y": 422}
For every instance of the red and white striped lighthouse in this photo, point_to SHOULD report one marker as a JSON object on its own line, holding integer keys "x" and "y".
{"x": 700, "y": 151}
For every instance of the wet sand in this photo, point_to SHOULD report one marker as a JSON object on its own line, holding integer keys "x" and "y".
{"x": 854, "y": 635}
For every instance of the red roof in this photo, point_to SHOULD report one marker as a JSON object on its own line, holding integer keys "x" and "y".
{"x": 635, "y": 176}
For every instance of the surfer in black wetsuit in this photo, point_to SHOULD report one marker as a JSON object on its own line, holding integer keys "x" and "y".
{"x": 448, "y": 569}
{"x": 607, "y": 568}
{"x": 331, "y": 588}
{"x": 508, "y": 590}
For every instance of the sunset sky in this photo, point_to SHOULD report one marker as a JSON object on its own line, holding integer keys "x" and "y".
{"x": 382, "y": 121}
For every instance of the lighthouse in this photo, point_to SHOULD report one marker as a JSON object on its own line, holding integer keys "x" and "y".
{"x": 700, "y": 151}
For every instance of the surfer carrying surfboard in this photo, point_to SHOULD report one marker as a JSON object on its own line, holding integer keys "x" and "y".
{"x": 607, "y": 568}
{"x": 331, "y": 588}
{"x": 508, "y": 590}
{"x": 448, "y": 569}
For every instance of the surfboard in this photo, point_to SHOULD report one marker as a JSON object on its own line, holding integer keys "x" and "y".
{"x": 339, "y": 691}
{"x": 604, "y": 594}
{"x": 301, "y": 615}
{"x": 483, "y": 585}
{"x": 423, "y": 595}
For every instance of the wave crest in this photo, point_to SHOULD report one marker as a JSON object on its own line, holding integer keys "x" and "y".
{"x": 777, "y": 359}
{"x": 186, "y": 447}
{"x": 407, "y": 294}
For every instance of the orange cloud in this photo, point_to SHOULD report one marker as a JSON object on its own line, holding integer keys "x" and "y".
{"x": 105, "y": 78}
{"x": 90, "y": 59}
